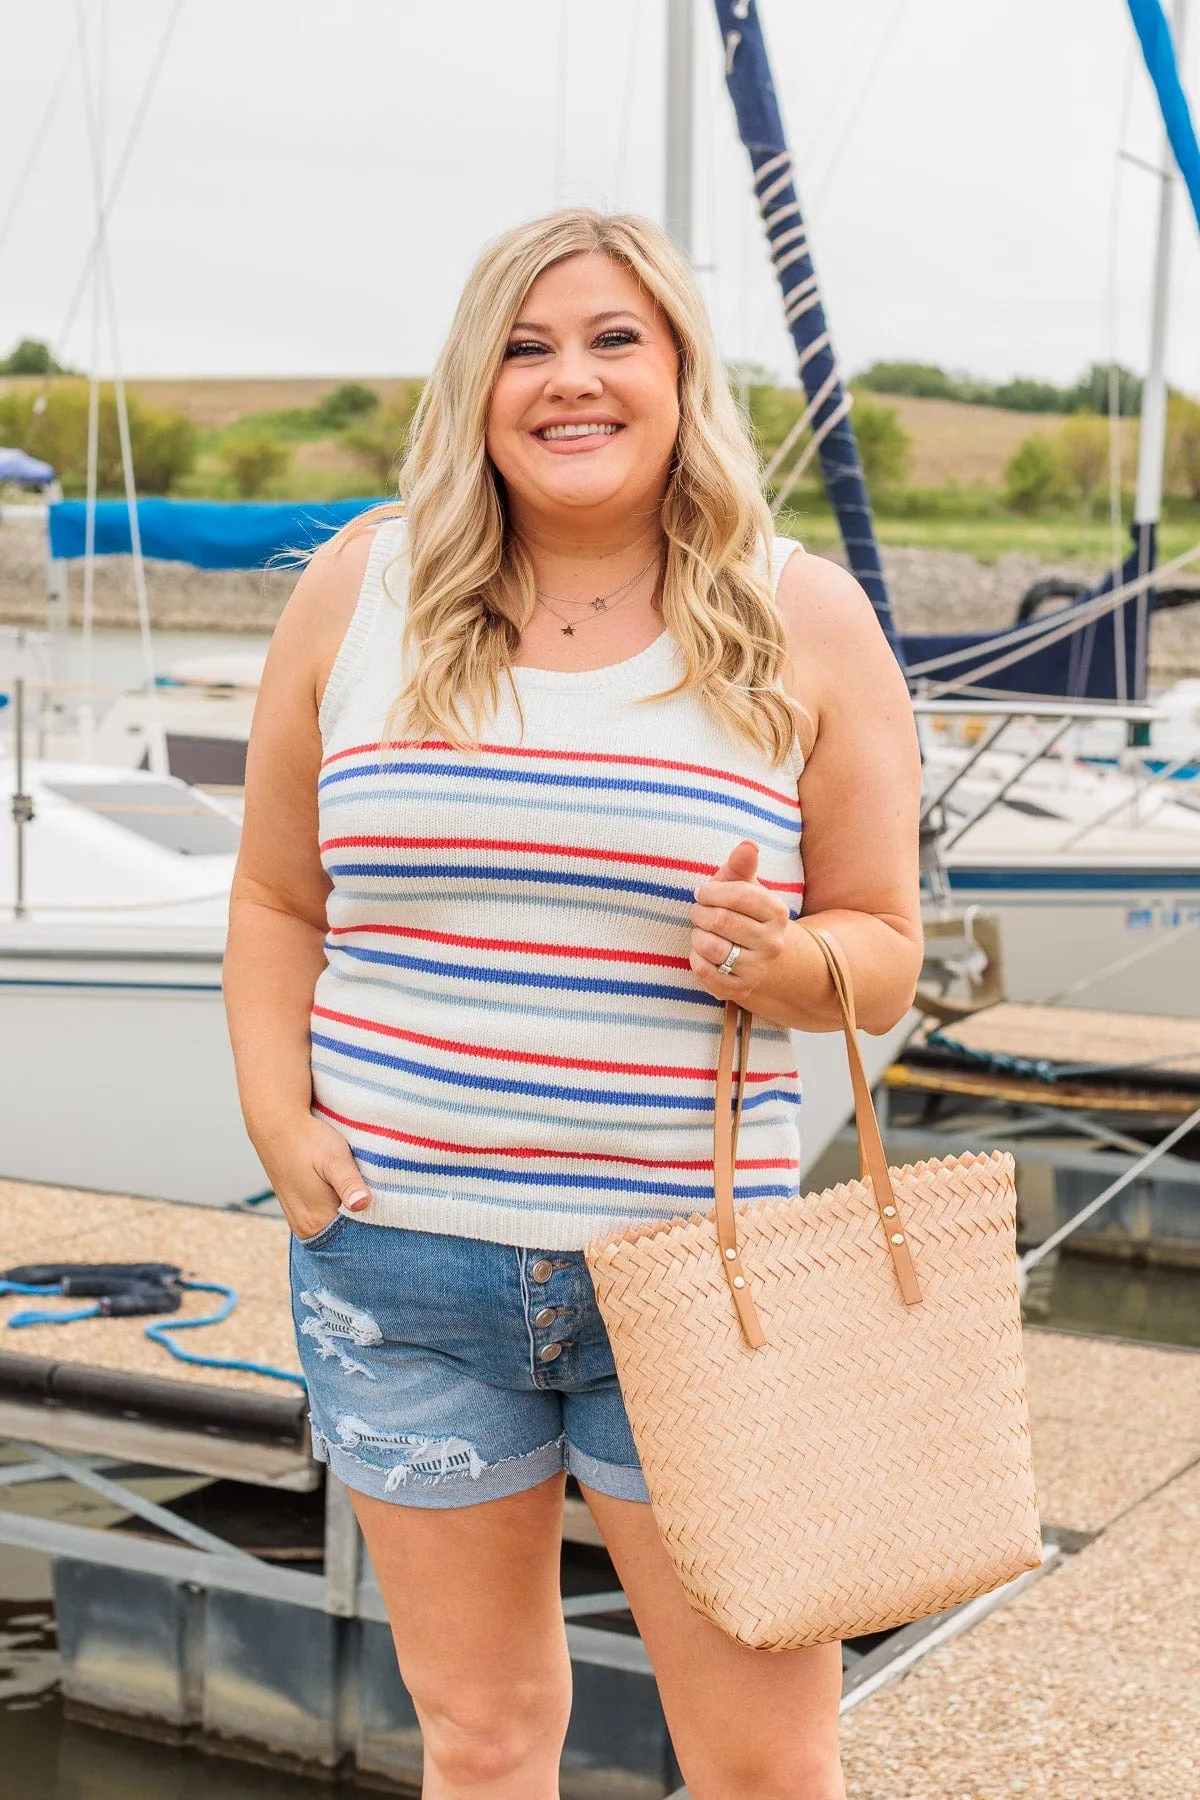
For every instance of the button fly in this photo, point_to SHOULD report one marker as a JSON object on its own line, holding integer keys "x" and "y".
{"x": 548, "y": 1352}
{"x": 542, "y": 1271}
{"x": 547, "y": 1316}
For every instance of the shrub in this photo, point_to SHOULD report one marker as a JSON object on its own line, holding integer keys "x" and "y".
{"x": 31, "y": 357}
{"x": 1033, "y": 478}
{"x": 1183, "y": 446}
{"x": 253, "y": 458}
{"x": 1081, "y": 445}
{"x": 350, "y": 400}
{"x": 883, "y": 444}
{"x": 53, "y": 426}
{"x": 380, "y": 441}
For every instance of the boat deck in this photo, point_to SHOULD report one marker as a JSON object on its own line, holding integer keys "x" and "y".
{"x": 1085, "y": 1686}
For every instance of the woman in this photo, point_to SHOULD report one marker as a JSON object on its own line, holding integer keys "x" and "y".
{"x": 475, "y": 983}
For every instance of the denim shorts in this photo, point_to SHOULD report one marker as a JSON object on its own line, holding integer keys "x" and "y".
{"x": 443, "y": 1371}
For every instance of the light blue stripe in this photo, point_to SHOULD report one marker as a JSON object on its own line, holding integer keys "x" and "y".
{"x": 674, "y": 914}
{"x": 785, "y": 845}
{"x": 407, "y": 1099}
{"x": 708, "y": 1029}
{"x": 553, "y": 1205}
{"x": 559, "y": 778}
{"x": 754, "y": 1187}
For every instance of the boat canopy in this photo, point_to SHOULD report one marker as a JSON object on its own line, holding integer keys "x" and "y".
{"x": 209, "y": 534}
{"x": 25, "y": 470}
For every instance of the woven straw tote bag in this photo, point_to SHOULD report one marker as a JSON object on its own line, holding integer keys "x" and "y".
{"x": 827, "y": 1392}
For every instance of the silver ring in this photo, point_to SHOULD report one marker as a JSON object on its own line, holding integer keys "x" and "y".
{"x": 726, "y": 967}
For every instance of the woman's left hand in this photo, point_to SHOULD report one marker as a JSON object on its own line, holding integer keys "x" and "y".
{"x": 733, "y": 907}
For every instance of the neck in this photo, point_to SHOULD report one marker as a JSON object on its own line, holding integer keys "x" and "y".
{"x": 593, "y": 547}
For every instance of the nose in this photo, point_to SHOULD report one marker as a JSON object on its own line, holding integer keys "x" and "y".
{"x": 574, "y": 376}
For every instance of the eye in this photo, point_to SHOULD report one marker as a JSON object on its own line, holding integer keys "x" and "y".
{"x": 526, "y": 347}
{"x": 618, "y": 337}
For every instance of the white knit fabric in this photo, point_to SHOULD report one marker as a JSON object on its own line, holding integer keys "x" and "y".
{"x": 507, "y": 1031}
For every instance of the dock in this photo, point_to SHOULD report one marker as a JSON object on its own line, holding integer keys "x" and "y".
{"x": 1080, "y": 1685}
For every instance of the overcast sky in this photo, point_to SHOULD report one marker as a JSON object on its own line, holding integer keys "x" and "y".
{"x": 314, "y": 176}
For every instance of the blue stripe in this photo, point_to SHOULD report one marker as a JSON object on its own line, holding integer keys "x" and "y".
{"x": 542, "y": 1090}
{"x": 608, "y": 1217}
{"x": 586, "y": 1015}
{"x": 562, "y": 877}
{"x": 551, "y": 778}
{"x": 1058, "y": 881}
{"x": 579, "y": 984}
{"x": 583, "y": 808}
{"x": 607, "y": 1184}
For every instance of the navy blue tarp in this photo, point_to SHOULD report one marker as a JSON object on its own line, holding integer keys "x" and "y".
{"x": 209, "y": 534}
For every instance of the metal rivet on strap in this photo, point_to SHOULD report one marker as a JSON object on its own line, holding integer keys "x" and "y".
{"x": 897, "y": 1237}
{"x": 739, "y": 1281}
{"x": 731, "y": 1254}
{"x": 889, "y": 1212}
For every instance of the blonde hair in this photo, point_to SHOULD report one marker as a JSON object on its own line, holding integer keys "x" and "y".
{"x": 471, "y": 583}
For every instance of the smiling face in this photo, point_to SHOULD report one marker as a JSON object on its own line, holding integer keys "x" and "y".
{"x": 585, "y": 411}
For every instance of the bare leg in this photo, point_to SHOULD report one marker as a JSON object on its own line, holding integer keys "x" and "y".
{"x": 746, "y": 1724}
{"x": 473, "y": 1599}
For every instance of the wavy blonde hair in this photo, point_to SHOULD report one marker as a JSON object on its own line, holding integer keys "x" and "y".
{"x": 471, "y": 582}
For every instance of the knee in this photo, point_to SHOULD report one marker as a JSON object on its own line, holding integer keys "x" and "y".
{"x": 810, "y": 1771}
{"x": 475, "y": 1738}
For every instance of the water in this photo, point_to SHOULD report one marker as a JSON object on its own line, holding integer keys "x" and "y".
{"x": 1117, "y": 1299}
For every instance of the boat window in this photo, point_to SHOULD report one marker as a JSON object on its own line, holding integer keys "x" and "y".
{"x": 167, "y": 812}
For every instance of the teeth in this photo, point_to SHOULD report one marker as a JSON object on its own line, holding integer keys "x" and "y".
{"x": 573, "y": 431}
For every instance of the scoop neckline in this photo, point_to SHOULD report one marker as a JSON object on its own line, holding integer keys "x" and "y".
{"x": 628, "y": 673}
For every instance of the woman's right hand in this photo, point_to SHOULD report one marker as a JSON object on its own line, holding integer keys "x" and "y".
{"x": 313, "y": 1173}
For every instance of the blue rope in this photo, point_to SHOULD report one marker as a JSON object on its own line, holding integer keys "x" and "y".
{"x": 158, "y": 1334}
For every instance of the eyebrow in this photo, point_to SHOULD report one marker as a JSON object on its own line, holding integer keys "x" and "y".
{"x": 619, "y": 312}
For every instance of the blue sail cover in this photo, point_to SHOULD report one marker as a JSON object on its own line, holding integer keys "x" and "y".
{"x": 1158, "y": 49}
{"x": 760, "y": 126}
{"x": 209, "y": 534}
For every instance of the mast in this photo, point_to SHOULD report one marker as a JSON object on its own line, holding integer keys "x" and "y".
{"x": 752, "y": 90}
{"x": 681, "y": 103}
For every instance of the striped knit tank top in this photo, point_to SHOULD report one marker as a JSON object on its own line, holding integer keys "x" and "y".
{"x": 507, "y": 1031}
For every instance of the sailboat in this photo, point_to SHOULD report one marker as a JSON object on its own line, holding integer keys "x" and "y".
{"x": 1093, "y": 872}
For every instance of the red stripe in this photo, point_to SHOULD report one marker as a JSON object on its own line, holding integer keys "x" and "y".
{"x": 516, "y": 945}
{"x": 587, "y": 756}
{"x": 502, "y": 1054}
{"x": 640, "y": 1162}
{"x": 528, "y": 847}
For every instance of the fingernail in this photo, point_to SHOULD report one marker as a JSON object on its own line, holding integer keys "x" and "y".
{"x": 358, "y": 1198}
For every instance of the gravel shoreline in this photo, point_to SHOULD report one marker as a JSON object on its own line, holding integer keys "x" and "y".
{"x": 931, "y": 590}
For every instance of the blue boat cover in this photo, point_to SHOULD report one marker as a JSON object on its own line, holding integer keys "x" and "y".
{"x": 25, "y": 470}
{"x": 209, "y": 534}
{"x": 1158, "y": 48}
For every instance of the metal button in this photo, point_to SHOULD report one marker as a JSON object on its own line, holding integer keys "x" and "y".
{"x": 542, "y": 1271}
{"x": 546, "y": 1316}
{"x": 731, "y": 1254}
{"x": 739, "y": 1281}
{"x": 889, "y": 1212}
{"x": 548, "y": 1352}
{"x": 897, "y": 1237}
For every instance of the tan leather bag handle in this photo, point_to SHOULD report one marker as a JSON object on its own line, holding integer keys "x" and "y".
{"x": 872, "y": 1160}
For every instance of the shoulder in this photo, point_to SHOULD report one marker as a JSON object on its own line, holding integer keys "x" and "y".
{"x": 319, "y": 609}
{"x": 836, "y": 648}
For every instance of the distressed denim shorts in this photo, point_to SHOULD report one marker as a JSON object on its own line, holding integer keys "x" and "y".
{"x": 443, "y": 1371}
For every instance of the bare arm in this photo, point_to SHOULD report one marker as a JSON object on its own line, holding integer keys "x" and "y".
{"x": 860, "y": 798}
{"x": 277, "y": 906}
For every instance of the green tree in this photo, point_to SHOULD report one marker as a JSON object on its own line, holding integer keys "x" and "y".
{"x": 1090, "y": 392}
{"x": 883, "y": 444}
{"x": 351, "y": 400}
{"x": 1033, "y": 478}
{"x": 1081, "y": 445}
{"x": 253, "y": 458}
{"x": 380, "y": 441}
{"x": 31, "y": 357}
{"x": 925, "y": 380}
{"x": 54, "y": 427}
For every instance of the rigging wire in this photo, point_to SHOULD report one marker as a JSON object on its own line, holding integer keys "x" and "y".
{"x": 122, "y": 169}
{"x": 860, "y": 99}
{"x": 560, "y": 103}
{"x": 39, "y": 136}
{"x": 1111, "y": 322}
{"x": 625, "y": 123}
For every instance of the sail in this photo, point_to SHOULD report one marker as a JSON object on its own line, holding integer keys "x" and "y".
{"x": 209, "y": 534}
{"x": 752, "y": 90}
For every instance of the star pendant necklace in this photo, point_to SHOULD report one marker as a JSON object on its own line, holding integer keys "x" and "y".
{"x": 603, "y": 603}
